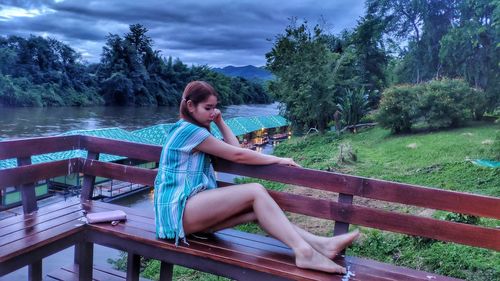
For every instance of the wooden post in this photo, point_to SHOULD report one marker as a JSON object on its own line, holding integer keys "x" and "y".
{"x": 35, "y": 271}
{"x": 342, "y": 227}
{"x": 28, "y": 195}
{"x": 84, "y": 255}
{"x": 133, "y": 266}
{"x": 166, "y": 271}
{"x": 28, "y": 199}
{"x": 88, "y": 180}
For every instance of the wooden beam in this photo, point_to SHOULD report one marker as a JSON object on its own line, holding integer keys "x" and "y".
{"x": 88, "y": 180}
{"x": 133, "y": 266}
{"x": 34, "y": 146}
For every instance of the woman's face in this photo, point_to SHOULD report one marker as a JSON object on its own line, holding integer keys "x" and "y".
{"x": 204, "y": 112}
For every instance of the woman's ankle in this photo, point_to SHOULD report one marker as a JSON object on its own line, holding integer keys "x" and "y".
{"x": 304, "y": 250}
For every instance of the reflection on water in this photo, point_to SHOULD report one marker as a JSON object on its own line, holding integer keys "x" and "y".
{"x": 35, "y": 122}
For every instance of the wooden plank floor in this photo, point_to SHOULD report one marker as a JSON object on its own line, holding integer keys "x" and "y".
{"x": 99, "y": 273}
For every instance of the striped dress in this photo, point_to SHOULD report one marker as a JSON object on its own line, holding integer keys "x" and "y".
{"x": 182, "y": 173}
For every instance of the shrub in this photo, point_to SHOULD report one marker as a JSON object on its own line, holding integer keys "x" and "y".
{"x": 447, "y": 103}
{"x": 398, "y": 109}
{"x": 354, "y": 105}
{"x": 438, "y": 104}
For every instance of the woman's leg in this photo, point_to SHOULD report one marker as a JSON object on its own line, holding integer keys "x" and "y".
{"x": 209, "y": 208}
{"x": 328, "y": 246}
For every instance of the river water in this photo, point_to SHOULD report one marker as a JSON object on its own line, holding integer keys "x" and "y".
{"x": 36, "y": 122}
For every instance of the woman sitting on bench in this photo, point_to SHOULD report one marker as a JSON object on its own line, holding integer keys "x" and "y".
{"x": 187, "y": 199}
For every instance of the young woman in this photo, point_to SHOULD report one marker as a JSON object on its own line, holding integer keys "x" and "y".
{"x": 187, "y": 199}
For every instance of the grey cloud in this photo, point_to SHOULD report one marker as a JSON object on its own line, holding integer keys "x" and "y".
{"x": 199, "y": 32}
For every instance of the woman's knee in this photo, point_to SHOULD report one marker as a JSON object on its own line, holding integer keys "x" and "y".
{"x": 259, "y": 190}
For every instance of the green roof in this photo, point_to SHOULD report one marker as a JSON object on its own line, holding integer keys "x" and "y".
{"x": 156, "y": 135}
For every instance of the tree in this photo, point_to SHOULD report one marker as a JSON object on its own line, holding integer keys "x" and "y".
{"x": 421, "y": 23}
{"x": 470, "y": 49}
{"x": 371, "y": 56}
{"x": 302, "y": 63}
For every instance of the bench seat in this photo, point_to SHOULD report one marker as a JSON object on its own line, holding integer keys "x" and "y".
{"x": 241, "y": 250}
{"x": 25, "y": 239}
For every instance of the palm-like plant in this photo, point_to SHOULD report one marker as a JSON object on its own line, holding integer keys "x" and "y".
{"x": 353, "y": 106}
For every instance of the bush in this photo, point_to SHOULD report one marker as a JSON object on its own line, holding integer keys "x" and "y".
{"x": 448, "y": 103}
{"x": 438, "y": 104}
{"x": 398, "y": 109}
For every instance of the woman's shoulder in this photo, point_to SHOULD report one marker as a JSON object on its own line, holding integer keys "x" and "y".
{"x": 186, "y": 130}
{"x": 188, "y": 126}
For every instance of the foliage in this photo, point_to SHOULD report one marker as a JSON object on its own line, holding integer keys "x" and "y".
{"x": 462, "y": 218}
{"x": 301, "y": 61}
{"x": 45, "y": 72}
{"x": 315, "y": 70}
{"x": 470, "y": 48}
{"x": 454, "y": 39}
{"x": 449, "y": 103}
{"x": 371, "y": 56}
{"x": 353, "y": 106}
{"x": 398, "y": 110}
{"x": 438, "y": 104}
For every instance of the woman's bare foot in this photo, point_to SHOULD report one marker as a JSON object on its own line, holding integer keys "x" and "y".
{"x": 311, "y": 259}
{"x": 331, "y": 246}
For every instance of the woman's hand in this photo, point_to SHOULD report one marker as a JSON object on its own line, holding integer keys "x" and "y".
{"x": 288, "y": 161}
{"x": 217, "y": 116}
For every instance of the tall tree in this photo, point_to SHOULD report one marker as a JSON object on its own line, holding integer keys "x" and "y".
{"x": 371, "y": 56}
{"x": 302, "y": 63}
{"x": 420, "y": 23}
{"x": 470, "y": 49}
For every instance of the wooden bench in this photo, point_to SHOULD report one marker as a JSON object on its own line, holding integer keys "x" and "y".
{"x": 234, "y": 254}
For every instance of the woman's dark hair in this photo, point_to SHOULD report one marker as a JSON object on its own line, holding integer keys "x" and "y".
{"x": 196, "y": 92}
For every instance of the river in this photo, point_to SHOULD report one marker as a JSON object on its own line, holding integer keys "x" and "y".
{"x": 36, "y": 122}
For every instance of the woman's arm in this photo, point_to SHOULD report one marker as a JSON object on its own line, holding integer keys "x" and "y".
{"x": 218, "y": 148}
{"x": 226, "y": 132}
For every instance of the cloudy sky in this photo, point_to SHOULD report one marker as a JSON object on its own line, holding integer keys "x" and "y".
{"x": 212, "y": 32}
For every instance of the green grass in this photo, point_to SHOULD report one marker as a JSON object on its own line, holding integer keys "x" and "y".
{"x": 437, "y": 159}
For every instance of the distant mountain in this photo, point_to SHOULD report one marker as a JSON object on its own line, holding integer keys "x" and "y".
{"x": 249, "y": 72}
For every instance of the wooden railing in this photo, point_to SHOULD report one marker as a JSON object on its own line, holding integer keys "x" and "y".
{"x": 343, "y": 212}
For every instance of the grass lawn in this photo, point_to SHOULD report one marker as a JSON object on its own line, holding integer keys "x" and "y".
{"x": 435, "y": 159}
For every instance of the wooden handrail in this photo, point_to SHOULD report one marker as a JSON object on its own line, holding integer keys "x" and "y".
{"x": 132, "y": 150}
{"x": 459, "y": 202}
{"x": 37, "y": 172}
{"x": 467, "y": 203}
{"x": 34, "y": 146}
